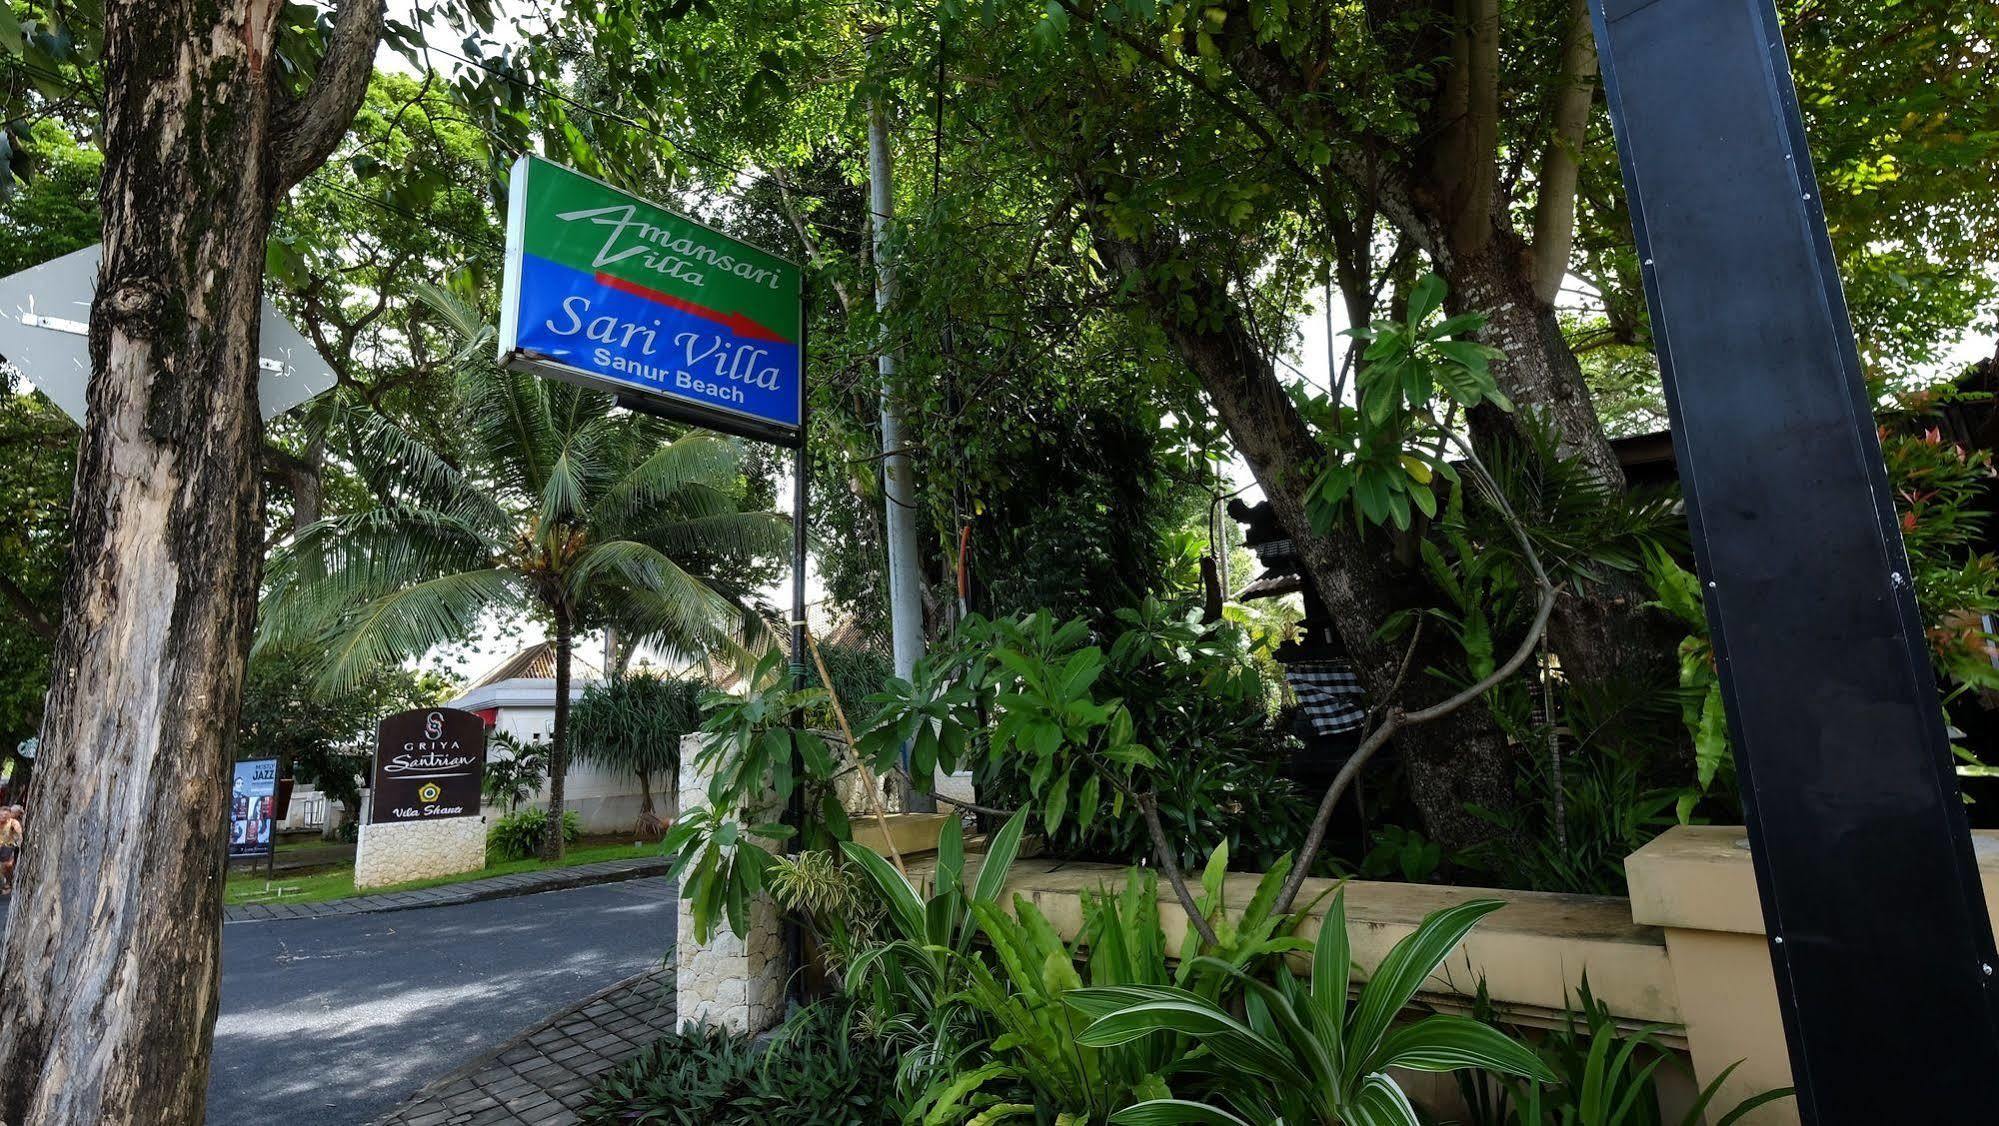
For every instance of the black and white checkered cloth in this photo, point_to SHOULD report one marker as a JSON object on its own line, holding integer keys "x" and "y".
{"x": 1329, "y": 694}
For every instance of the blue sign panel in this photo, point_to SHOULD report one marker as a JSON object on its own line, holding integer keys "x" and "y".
{"x": 608, "y": 290}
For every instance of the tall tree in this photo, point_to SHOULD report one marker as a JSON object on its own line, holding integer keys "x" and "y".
{"x": 112, "y": 948}
{"x": 563, "y": 509}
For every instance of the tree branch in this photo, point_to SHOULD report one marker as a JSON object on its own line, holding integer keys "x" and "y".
{"x": 25, "y": 608}
{"x": 1397, "y": 719}
{"x": 306, "y": 131}
{"x": 1169, "y": 862}
{"x": 1555, "y": 196}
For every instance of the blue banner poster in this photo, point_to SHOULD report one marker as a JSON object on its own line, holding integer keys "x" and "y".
{"x": 252, "y": 808}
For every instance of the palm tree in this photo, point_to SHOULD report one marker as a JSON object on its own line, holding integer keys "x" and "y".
{"x": 635, "y": 722}
{"x": 558, "y": 506}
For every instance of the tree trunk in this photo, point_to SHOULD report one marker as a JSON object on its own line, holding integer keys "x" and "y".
{"x": 558, "y": 743}
{"x": 1461, "y": 760}
{"x": 649, "y": 824}
{"x": 111, "y": 961}
{"x": 1539, "y": 373}
{"x": 1602, "y": 630}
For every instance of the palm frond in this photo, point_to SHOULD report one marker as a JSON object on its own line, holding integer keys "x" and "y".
{"x": 727, "y": 533}
{"x": 700, "y": 464}
{"x": 337, "y": 563}
{"x": 661, "y": 596}
{"x": 408, "y": 622}
{"x": 475, "y": 335}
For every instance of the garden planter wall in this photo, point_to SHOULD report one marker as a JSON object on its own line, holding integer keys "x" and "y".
{"x": 914, "y": 833}
{"x": 1687, "y": 949}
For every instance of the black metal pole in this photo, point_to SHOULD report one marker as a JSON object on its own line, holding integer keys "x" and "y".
{"x": 1871, "y": 897}
{"x": 794, "y": 935}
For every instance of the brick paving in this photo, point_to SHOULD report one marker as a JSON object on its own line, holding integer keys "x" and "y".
{"x": 544, "y": 1076}
{"x": 471, "y": 891}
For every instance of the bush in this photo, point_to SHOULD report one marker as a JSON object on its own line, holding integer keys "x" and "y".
{"x": 818, "y": 1070}
{"x": 517, "y": 836}
{"x": 1197, "y": 700}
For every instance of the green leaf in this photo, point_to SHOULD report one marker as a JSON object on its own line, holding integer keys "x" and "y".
{"x": 1000, "y": 851}
{"x": 1230, "y": 1040}
{"x": 904, "y": 907}
{"x": 1380, "y": 1103}
{"x": 1086, "y": 802}
{"x": 1055, "y": 803}
{"x": 951, "y": 853}
{"x": 1424, "y": 297}
{"x": 1446, "y": 1043}
{"x": 1332, "y": 963}
{"x": 1407, "y": 966}
{"x": 1164, "y": 1112}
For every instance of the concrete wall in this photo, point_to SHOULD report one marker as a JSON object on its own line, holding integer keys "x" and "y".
{"x": 607, "y": 801}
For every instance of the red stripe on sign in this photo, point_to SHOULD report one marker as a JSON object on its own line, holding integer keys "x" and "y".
{"x": 736, "y": 322}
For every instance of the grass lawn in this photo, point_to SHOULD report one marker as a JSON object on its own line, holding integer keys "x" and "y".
{"x": 314, "y": 885}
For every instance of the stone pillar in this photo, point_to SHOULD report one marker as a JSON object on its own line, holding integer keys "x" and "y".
{"x": 733, "y": 981}
{"x": 398, "y": 852}
{"x": 1697, "y": 883}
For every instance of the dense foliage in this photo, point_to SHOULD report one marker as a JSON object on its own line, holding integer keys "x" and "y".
{"x": 634, "y": 723}
{"x": 822, "y": 1069}
{"x": 519, "y": 835}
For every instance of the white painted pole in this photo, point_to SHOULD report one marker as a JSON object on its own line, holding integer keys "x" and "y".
{"x": 905, "y": 601}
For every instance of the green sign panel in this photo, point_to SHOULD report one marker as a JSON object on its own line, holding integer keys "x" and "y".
{"x": 609, "y": 290}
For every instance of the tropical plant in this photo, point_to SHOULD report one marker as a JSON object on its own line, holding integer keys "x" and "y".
{"x": 820, "y": 1068}
{"x": 564, "y": 509}
{"x": 921, "y": 962}
{"x": 1035, "y": 1063}
{"x": 1299, "y": 1053}
{"x": 515, "y": 777}
{"x": 1187, "y": 684}
{"x": 519, "y": 835}
{"x": 1384, "y": 453}
{"x": 1604, "y": 1075}
{"x": 1581, "y": 813}
{"x": 634, "y": 723}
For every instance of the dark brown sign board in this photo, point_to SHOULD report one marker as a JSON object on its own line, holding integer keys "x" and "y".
{"x": 429, "y": 763}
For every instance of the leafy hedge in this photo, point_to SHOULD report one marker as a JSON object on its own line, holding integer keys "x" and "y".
{"x": 517, "y": 836}
{"x": 818, "y": 1070}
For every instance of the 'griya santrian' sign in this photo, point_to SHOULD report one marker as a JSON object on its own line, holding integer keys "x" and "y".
{"x": 428, "y": 764}
{"x": 608, "y": 290}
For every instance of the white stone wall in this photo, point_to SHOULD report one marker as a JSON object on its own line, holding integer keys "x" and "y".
{"x": 607, "y": 801}
{"x": 398, "y": 852}
{"x": 733, "y": 981}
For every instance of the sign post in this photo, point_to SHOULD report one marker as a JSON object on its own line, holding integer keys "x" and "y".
{"x": 609, "y": 290}
{"x": 423, "y": 813}
{"x": 1879, "y": 938}
{"x": 252, "y": 820}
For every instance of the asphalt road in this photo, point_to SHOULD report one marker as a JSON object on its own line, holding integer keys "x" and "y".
{"x": 331, "y": 1022}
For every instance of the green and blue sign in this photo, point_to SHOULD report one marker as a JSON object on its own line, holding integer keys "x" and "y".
{"x": 611, "y": 291}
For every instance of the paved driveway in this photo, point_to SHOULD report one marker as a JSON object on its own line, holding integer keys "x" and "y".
{"x": 329, "y": 1021}
{"x": 332, "y": 1022}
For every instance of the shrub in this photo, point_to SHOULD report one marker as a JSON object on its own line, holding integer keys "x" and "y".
{"x": 1190, "y": 693}
{"x": 517, "y": 836}
{"x": 817, "y": 1070}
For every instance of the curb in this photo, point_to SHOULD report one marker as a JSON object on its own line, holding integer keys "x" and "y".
{"x": 449, "y": 895}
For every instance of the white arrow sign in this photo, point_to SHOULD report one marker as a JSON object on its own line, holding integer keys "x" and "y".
{"x": 45, "y": 327}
